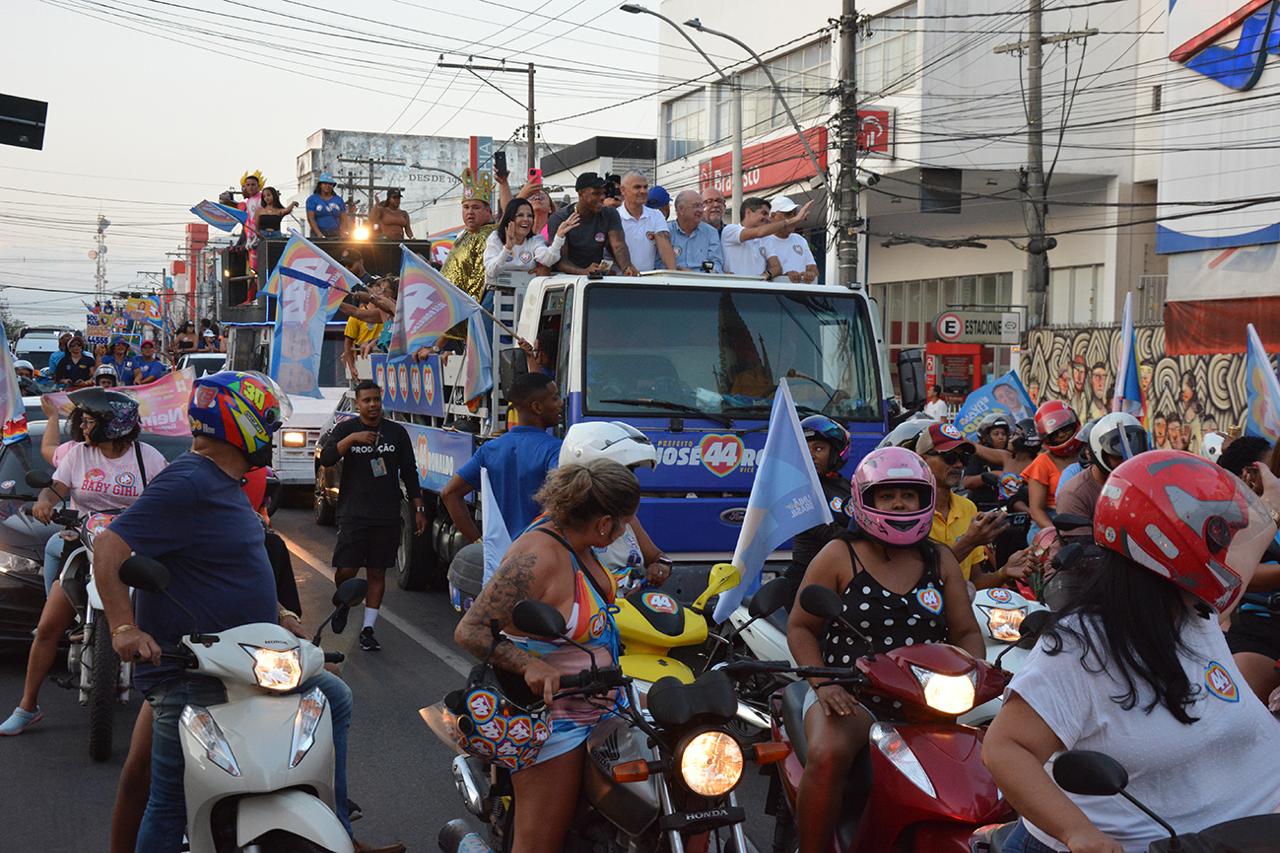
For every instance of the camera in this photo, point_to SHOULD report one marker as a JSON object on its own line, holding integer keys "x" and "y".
{"x": 612, "y": 186}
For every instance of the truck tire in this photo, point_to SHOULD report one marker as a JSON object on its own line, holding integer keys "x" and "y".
{"x": 322, "y": 509}
{"x": 104, "y": 688}
{"x": 416, "y": 563}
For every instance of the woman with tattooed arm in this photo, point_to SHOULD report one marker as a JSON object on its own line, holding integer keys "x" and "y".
{"x": 586, "y": 506}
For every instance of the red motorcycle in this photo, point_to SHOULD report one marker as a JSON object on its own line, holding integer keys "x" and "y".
{"x": 920, "y": 784}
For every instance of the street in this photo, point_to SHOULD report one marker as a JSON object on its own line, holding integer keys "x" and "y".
{"x": 399, "y": 771}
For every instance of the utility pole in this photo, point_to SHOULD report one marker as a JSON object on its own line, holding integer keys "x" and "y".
{"x": 369, "y": 163}
{"x": 99, "y": 254}
{"x": 846, "y": 202}
{"x": 1034, "y": 186}
{"x": 531, "y": 128}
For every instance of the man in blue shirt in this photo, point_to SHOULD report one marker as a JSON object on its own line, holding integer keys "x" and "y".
{"x": 517, "y": 461}
{"x": 695, "y": 242}
{"x": 326, "y": 211}
{"x": 119, "y": 359}
{"x": 147, "y": 368}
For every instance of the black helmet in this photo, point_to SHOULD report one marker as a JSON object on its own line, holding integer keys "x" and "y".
{"x": 115, "y": 413}
{"x": 1025, "y": 436}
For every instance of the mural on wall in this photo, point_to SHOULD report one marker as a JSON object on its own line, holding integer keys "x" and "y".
{"x": 1185, "y": 396}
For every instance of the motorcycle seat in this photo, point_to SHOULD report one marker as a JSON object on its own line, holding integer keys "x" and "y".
{"x": 675, "y": 705}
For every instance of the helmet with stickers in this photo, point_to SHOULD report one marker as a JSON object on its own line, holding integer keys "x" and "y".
{"x": 241, "y": 408}
{"x": 494, "y": 724}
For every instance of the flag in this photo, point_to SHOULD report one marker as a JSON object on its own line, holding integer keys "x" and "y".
{"x": 219, "y": 215}
{"x": 477, "y": 362}
{"x": 786, "y": 499}
{"x": 1005, "y": 395}
{"x": 1128, "y": 395}
{"x": 308, "y": 286}
{"x": 162, "y": 405}
{"x": 14, "y": 413}
{"x": 495, "y": 536}
{"x": 427, "y": 306}
{"x": 1262, "y": 391}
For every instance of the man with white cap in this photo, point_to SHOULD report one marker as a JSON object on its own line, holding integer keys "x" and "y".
{"x": 791, "y": 250}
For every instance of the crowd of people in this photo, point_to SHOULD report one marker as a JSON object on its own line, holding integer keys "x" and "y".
{"x": 118, "y": 363}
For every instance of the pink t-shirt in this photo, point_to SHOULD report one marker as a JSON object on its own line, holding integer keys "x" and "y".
{"x": 99, "y": 484}
{"x": 61, "y": 451}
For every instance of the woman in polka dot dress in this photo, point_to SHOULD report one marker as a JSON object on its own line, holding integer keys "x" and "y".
{"x": 898, "y": 589}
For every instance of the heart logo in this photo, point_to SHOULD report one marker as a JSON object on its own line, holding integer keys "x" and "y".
{"x": 415, "y": 377}
{"x": 1220, "y": 682}
{"x": 930, "y": 599}
{"x": 429, "y": 383}
{"x": 721, "y": 453}
{"x": 402, "y": 378}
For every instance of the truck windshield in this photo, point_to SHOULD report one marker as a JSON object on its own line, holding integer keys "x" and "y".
{"x": 659, "y": 350}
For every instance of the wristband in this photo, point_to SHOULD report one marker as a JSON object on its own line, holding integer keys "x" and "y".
{"x": 286, "y": 613}
{"x": 120, "y": 629}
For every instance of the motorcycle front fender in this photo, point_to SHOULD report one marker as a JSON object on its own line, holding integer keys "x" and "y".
{"x": 295, "y": 812}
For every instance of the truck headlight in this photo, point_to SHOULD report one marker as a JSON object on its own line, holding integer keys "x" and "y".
{"x": 950, "y": 694}
{"x": 1005, "y": 623}
{"x": 305, "y": 722}
{"x": 293, "y": 438}
{"x": 711, "y": 763}
{"x": 276, "y": 670}
{"x": 205, "y": 730}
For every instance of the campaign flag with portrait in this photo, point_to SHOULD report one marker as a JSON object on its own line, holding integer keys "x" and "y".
{"x": 220, "y": 216}
{"x": 1262, "y": 390}
{"x": 427, "y": 306}
{"x": 1004, "y": 395}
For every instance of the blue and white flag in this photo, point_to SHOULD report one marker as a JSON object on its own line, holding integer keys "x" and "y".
{"x": 1262, "y": 390}
{"x": 1128, "y": 394}
{"x": 477, "y": 361}
{"x": 12, "y": 411}
{"x": 495, "y": 536}
{"x": 786, "y": 499}
{"x": 1005, "y": 395}
{"x": 220, "y": 215}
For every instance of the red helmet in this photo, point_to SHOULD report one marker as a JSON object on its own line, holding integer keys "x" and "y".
{"x": 1053, "y": 416}
{"x": 1175, "y": 513}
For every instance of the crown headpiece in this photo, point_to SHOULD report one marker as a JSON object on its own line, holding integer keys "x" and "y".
{"x": 256, "y": 173}
{"x": 476, "y": 186}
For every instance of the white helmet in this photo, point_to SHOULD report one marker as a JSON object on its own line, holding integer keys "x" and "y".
{"x": 106, "y": 370}
{"x": 1119, "y": 435}
{"x": 21, "y": 363}
{"x": 1211, "y": 446}
{"x": 906, "y": 433}
{"x": 612, "y": 440}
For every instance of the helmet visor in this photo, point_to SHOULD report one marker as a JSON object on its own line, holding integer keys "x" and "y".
{"x": 1125, "y": 443}
{"x": 284, "y": 407}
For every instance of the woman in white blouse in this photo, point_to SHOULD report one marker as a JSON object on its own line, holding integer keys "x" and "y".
{"x": 513, "y": 247}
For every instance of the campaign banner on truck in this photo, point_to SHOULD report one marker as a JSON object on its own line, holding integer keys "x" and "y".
{"x": 162, "y": 405}
{"x": 143, "y": 309}
{"x": 1005, "y": 395}
{"x": 412, "y": 387}
{"x": 439, "y": 453}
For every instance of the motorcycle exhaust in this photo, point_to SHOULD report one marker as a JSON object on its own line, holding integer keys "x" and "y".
{"x": 456, "y": 837}
{"x": 467, "y": 787}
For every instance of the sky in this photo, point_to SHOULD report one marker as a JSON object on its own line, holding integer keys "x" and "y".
{"x": 155, "y": 105}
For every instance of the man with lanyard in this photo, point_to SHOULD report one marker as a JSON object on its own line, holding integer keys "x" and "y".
{"x": 194, "y": 519}
{"x": 465, "y": 264}
{"x": 375, "y": 452}
{"x": 148, "y": 368}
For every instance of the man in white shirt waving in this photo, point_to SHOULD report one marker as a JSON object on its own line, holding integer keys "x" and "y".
{"x": 645, "y": 228}
{"x": 745, "y": 252}
{"x": 789, "y": 248}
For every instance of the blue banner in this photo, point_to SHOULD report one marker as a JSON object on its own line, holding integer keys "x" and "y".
{"x": 408, "y": 386}
{"x": 1004, "y": 395}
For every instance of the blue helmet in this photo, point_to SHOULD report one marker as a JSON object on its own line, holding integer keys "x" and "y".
{"x": 240, "y": 408}
{"x": 830, "y": 431}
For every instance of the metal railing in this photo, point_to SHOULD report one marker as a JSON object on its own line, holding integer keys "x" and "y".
{"x": 1151, "y": 292}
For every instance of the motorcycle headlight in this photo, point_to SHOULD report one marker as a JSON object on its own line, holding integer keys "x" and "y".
{"x": 205, "y": 730}
{"x": 711, "y": 763}
{"x": 894, "y": 748}
{"x": 15, "y": 564}
{"x": 950, "y": 694}
{"x": 276, "y": 670}
{"x": 293, "y": 438}
{"x": 305, "y": 722}
{"x": 1005, "y": 623}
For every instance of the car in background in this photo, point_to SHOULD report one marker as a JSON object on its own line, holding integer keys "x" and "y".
{"x": 203, "y": 363}
{"x": 22, "y": 538}
{"x": 36, "y": 349}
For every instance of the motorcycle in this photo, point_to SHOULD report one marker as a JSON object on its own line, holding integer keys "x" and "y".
{"x": 244, "y": 791}
{"x": 920, "y": 784}
{"x": 658, "y": 779}
{"x": 1095, "y": 774}
{"x": 93, "y": 667}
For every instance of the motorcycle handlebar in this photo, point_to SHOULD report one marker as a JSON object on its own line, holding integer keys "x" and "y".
{"x": 334, "y": 657}
{"x": 753, "y": 667}
{"x": 603, "y": 679}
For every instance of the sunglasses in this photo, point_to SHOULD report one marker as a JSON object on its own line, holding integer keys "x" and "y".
{"x": 951, "y": 457}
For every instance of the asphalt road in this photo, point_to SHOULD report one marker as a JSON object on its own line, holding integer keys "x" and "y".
{"x": 57, "y": 799}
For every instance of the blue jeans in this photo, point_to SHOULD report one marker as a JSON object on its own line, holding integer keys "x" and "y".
{"x": 1021, "y": 841}
{"x": 52, "y": 560}
{"x": 165, "y": 820}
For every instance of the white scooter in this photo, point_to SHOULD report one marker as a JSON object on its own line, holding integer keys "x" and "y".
{"x": 245, "y": 791}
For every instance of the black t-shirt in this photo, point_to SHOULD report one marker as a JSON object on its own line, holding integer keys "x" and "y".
{"x": 586, "y": 244}
{"x": 984, "y": 496}
{"x": 836, "y": 490}
{"x": 369, "y": 492}
{"x": 74, "y": 371}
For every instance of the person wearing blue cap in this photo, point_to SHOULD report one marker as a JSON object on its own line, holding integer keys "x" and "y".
{"x": 120, "y": 359}
{"x": 326, "y": 211}
{"x": 659, "y": 199}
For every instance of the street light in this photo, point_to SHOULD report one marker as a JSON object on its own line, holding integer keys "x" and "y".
{"x": 694, "y": 23}
{"x": 735, "y": 129}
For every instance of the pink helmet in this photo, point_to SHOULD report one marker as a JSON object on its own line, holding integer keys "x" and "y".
{"x": 893, "y": 466}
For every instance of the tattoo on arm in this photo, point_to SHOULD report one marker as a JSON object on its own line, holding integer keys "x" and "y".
{"x": 511, "y": 584}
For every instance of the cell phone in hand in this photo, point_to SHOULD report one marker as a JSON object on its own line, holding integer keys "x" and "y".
{"x": 535, "y": 174}
{"x": 500, "y": 164}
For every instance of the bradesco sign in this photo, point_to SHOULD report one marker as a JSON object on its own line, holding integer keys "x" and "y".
{"x": 978, "y": 327}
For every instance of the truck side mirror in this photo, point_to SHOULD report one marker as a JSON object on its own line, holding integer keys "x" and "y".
{"x": 911, "y": 377}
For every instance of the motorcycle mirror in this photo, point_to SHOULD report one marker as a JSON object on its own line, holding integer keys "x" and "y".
{"x": 820, "y": 601}
{"x": 1033, "y": 625}
{"x": 273, "y": 493}
{"x": 538, "y": 619}
{"x": 350, "y": 593}
{"x": 1064, "y": 522}
{"x": 145, "y": 574}
{"x": 1087, "y": 773}
{"x": 39, "y": 479}
{"x": 776, "y": 593}
{"x": 723, "y": 576}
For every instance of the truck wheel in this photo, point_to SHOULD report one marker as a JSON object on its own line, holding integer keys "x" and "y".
{"x": 321, "y": 507}
{"x": 104, "y": 688}
{"x": 416, "y": 564}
